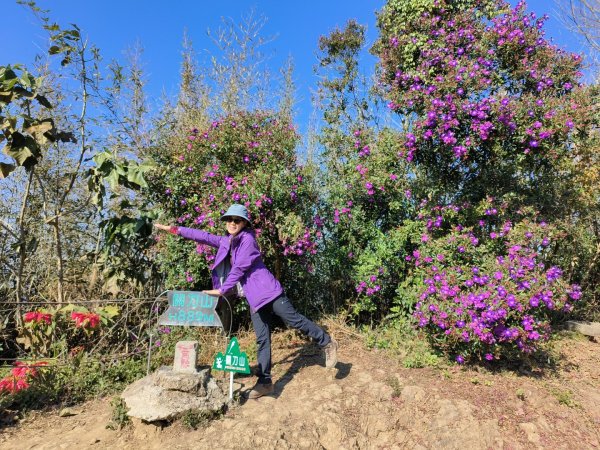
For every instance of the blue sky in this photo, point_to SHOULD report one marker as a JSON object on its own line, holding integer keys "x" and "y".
{"x": 114, "y": 26}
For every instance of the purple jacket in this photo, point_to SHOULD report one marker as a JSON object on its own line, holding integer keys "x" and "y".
{"x": 247, "y": 267}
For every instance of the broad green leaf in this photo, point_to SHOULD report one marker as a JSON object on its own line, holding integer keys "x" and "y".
{"x": 23, "y": 149}
{"x": 43, "y": 101}
{"x": 22, "y": 92}
{"x": 113, "y": 179}
{"x": 101, "y": 157}
{"x": 64, "y": 136}
{"x": 6, "y": 97}
{"x": 136, "y": 176}
{"x": 32, "y": 245}
{"x": 9, "y": 124}
{"x": 39, "y": 129}
{"x": 109, "y": 311}
{"x": 6, "y": 169}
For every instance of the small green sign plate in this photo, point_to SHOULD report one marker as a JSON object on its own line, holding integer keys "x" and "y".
{"x": 233, "y": 360}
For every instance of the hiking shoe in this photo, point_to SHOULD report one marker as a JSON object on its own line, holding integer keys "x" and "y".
{"x": 261, "y": 389}
{"x": 331, "y": 354}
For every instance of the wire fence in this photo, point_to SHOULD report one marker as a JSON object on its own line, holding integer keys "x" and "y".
{"x": 135, "y": 326}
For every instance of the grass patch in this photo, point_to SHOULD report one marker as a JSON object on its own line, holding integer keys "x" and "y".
{"x": 194, "y": 419}
{"x": 394, "y": 383}
{"x": 564, "y": 397}
{"x": 401, "y": 339}
{"x": 119, "y": 417}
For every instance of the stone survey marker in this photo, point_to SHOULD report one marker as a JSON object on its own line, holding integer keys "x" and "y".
{"x": 185, "y": 357}
{"x": 191, "y": 308}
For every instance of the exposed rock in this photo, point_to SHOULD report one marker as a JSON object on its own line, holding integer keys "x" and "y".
{"x": 166, "y": 395}
{"x": 67, "y": 412}
{"x": 171, "y": 380}
{"x": 531, "y": 431}
{"x": 412, "y": 393}
{"x": 455, "y": 424}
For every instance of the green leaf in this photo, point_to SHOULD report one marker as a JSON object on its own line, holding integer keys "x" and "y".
{"x": 43, "y": 101}
{"x": 65, "y": 136}
{"x": 23, "y": 149}
{"x": 109, "y": 311}
{"x": 136, "y": 176}
{"x": 113, "y": 179}
{"x": 9, "y": 124}
{"x": 40, "y": 129}
{"x": 101, "y": 157}
{"x": 22, "y": 92}
{"x": 6, "y": 169}
{"x": 32, "y": 245}
{"x": 67, "y": 308}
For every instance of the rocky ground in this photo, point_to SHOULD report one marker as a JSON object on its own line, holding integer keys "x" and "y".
{"x": 367, "y": 402}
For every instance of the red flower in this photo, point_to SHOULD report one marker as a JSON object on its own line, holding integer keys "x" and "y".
{"x": 85, "y": 320}
{"x": 19, "y": 377}
{"x": 37, "y": 317}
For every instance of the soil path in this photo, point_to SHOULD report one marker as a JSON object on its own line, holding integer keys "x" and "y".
{"x": 366, "y": 402}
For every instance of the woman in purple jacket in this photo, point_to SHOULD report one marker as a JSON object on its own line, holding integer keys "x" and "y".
{"x": 239, "y": 267}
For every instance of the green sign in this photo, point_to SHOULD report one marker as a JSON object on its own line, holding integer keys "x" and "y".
{"x": 233, "y": 360}
{"x": 191, "y": 308}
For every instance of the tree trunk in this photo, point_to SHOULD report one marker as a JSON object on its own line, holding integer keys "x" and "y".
{"x": 22, "y": 249}
{"x": 59, "y": 262}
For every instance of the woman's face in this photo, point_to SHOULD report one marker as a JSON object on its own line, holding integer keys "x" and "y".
{"x": 235, "y": 225}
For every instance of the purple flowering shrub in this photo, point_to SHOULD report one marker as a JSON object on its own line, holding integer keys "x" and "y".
{"x": 379, "y": 271}
{"x": 488, "y": 290}
{"x": 367, "y": 205}
{"x": 493, "y": 102}
{"x": 247, "y": 158}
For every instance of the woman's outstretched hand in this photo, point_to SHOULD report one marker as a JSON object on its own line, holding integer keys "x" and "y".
{"x": 213, "y": 292}
{"x": 162, "y": 227}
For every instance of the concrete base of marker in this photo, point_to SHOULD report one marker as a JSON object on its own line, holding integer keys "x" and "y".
{"x": 167, "y": 395}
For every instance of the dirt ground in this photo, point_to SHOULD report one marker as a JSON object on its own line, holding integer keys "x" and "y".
{"x": 367, "y": 402}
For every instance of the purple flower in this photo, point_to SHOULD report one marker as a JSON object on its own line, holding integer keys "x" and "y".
{"x": 553, "y": 273}
{"x": 460, "y": 359}
{"x": 575, "y": 292}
